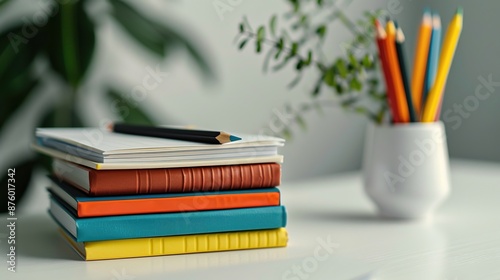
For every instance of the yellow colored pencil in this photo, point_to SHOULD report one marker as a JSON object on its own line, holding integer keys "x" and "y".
{"x": 395, "y": 72}
{"x": 420, "y": 61}
{"x": 447, "y": 52}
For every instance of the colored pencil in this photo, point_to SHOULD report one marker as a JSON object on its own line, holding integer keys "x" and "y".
{"x": 201, "y": 136}
{"x": 381, "y": 37}
{"x": 438, "y": 114}
{"x": 445, "y": 60}
{"x": 400, "y": 39}
{"x": 394, "y": 71}
{"x": 432, "y": 62}
{"x": 420, "y": 60}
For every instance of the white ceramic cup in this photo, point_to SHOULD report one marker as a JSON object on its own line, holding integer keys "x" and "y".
{"x": 406, "y": 168}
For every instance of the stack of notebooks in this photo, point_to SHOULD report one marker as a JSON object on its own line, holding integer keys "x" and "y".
{"x": 120, "y": 196}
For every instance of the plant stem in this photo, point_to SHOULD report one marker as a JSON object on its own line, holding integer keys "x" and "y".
{"x": 273, "y": 43}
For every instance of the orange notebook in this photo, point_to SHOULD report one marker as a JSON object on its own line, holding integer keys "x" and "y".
{"x": 83, "y": 205}
{"x": 168, "y": 180}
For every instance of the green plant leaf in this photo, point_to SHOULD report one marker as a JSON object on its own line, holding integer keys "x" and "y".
{"x": 295, "y": 4}
{"x": 260, "y": 37}
{"x": 246, "y": 23}
{"x": 71, "y": 42}
{"x": 377, "y": 96}
{"x": 272, "y": 25}
{"x": 368, "y": 61}
{"x": 278, "y": 53}
{"x": 355, "y": 84}
{"x": 17, "y": 54}
{"x": 279, "y": 47}
{"x": 361, "y": 110}
{"x": 267, "y": 59}
{"x": 126, "y": 110}
{"x": 300, "y": 64}
{"x": 22, "y": 177}
{"x": 243, "y": 43}
{"x": 321, "y": 31}
{"x": 295, "y": 81}
{"x": 280, "y": 44}
{"x": 303, "y": 19}
{"x": 3, "y": 2}
{"x": 301, "y": 122}
{"x": 242, "y": 28}
{"x": 286, "y": 133}
{"x": 282, "y": 63}
{"x": 14, "y": 100}
{"x": 309, "y": 58}
{"x": 138, "y": 27}
{"x": 295, "y": 48}
{"x": 261, "y": 34}
{"x": 258, "y": 46}
{"x": 353, "y": 61}
{"x": 329, "y": 77}
{"x": 339, "y": 89}
{"x": 373, "y": 82}
{"x": 317, "y": 87}
{"x": 341, "y": 68}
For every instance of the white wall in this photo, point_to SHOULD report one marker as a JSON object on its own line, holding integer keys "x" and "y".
{"x": 477, "y": 134}
{"x": 243, "y": 99}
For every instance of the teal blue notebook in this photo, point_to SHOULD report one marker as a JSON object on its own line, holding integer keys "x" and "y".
{"x": 165, "y": 224}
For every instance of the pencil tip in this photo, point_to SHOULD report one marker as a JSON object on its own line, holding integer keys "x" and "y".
{"x": 460, "y": 10}
{"x": 427, "y": 11}
{"x": 436, "y": 20}
{"x": 400, "y": 36}
{"x": 233, "y": 138}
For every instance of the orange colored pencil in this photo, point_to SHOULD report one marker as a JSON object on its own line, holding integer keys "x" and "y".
{"x": 395, "y": 72}
{"x": 381, "y": 37}
{"x": 420, "y": 61}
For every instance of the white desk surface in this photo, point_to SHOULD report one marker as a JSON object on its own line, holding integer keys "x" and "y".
{"x": 461, "y": 242}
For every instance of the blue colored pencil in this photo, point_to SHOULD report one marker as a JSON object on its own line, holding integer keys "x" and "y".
{"x": 433, "y": 58}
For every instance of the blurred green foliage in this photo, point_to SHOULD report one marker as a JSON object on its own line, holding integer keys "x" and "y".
{"x": 62, "y": 36}
{"x": 353, "y": 77}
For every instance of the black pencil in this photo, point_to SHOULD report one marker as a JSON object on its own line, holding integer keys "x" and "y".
{"x": 400, "y": 39}
{"x": 201, "y": 136}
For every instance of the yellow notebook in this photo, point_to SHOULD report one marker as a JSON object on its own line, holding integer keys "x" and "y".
{"x": 173, "y": 245}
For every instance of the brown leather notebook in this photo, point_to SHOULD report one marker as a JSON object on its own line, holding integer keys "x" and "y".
{"x": 168, "y": 180}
